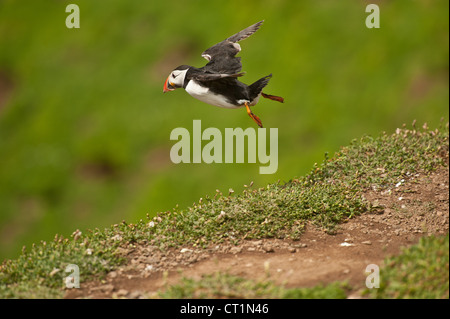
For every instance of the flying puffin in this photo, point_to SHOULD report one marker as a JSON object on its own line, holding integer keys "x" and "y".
{"x": 216, "y": 83}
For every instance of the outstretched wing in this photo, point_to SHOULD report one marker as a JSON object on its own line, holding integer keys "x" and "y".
{"x": 214, "y": 76}
{"x": 221, "y": 56}
{"x": 244, "y": 34}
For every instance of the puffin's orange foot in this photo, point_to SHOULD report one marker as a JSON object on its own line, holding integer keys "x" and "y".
{"x": 253, "y": 116}
{"x": 273, "y": 97}
{"x": 256, "y": 119}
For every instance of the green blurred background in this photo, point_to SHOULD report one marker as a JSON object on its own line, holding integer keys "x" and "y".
{"x": 84, "y": 125}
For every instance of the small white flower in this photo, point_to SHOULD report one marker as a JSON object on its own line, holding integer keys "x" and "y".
{"x": 116, "y": 237}
{"x": 400, "y": 183}
{"x": 151, "y": 224}
{"x": 148, "y": 268}
{"x": 88, "y": 251}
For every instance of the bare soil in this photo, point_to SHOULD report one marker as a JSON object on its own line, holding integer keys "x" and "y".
{"x": 409, "y": 210}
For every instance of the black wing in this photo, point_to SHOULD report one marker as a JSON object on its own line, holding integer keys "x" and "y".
{"x": 244, "y": 34}
{"x": 221, "y": 56}
{"x": 213, "y": 76}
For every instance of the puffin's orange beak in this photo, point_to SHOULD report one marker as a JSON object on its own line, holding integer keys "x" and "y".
{"x": 167, "y": 86}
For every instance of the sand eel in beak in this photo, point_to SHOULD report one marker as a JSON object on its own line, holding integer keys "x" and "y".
{"x": 217, "y": 82}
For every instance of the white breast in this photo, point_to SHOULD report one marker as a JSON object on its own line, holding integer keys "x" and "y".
{"x": 203, "y": 94}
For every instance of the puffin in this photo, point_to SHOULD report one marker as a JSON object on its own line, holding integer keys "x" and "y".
{"x": 217, "y": 82}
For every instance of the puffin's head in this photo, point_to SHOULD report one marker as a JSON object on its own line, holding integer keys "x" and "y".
{"x": 176, "y": 78}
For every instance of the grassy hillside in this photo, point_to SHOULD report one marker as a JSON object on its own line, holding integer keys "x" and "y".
{"x": 330, "y": 193}
{"x": 420, "y": 271}
{"x": 84, "y": 126}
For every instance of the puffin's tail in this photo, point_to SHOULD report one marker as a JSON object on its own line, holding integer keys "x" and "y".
{"x": 256, "y": 88}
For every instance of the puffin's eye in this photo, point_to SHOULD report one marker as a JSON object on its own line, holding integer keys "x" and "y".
{"x": 175, "y": 75}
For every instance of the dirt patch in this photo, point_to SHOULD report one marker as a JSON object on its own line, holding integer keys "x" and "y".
{"x": 409, "y": 210}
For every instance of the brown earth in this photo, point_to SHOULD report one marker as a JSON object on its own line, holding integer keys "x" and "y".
{"x": 412, "y": 209}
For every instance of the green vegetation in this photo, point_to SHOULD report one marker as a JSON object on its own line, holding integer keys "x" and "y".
{"x": 331, "y": 193}
{"x": 222, "y": 285}
{"x": 42, "y": 267}
{"x": 385, "y": 160}
{"x": 420, "y": 271}
{"x": 84, "y": 126}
